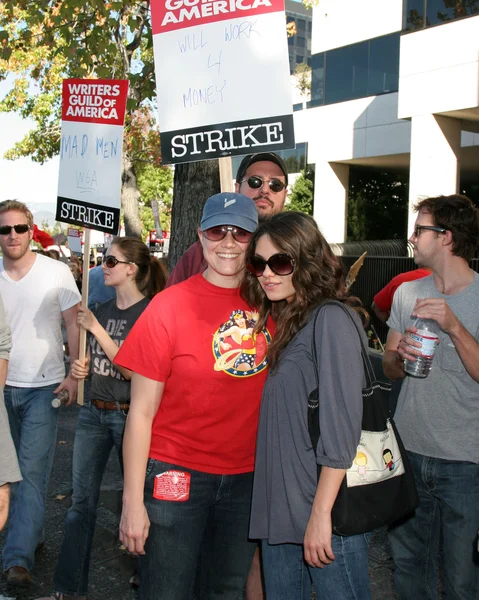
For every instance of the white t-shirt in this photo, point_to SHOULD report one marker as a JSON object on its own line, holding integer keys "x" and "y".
{"x": 33, "y": 307}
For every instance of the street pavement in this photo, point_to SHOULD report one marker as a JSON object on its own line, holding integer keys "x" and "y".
{"x": 111, "y": 566}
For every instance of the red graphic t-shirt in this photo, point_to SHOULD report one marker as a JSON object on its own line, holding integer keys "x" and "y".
{"x": 199, "y": 339}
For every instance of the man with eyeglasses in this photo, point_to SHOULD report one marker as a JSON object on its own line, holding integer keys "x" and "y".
{"x": 438, "y": 416}
{"x": 262, "y": 177}
{"x": 38, "y": 293}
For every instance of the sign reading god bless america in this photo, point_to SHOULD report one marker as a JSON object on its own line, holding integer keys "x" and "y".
{"x": 222, "y": 75}
{"x": 89, "y": 184}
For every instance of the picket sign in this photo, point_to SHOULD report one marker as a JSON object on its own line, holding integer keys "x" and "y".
{"x": 89, "y": 180}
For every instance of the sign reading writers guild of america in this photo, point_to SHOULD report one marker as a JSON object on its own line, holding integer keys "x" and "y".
{"x": 89, "y": 183}
{"x": 222, "y": 76}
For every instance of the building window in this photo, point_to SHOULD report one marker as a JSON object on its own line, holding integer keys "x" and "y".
{"x": 365, "y": 69}
{"x": 424, "y": 13}
{"x": 346, "y": 73}
{"x": 295, "y": 160}
{"x": 442, "y": 11}
{"x": 300, "y": 42}
{"x": 317, "y": 79}
{"x": 383, "y": 72}
{"x": 414, "y": 15}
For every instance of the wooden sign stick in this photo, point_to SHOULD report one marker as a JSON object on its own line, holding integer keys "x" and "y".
{"x": 84, "y": 301}
{"x": 226, "y": 174}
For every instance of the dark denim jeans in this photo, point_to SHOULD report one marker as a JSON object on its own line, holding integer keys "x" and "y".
{"x": 448, "y": 505}
{"x": 97, "y": 432}
{"x": 288, "y": 577}
{"x": 205, "y": 535}
{"x": 33, "y": 423}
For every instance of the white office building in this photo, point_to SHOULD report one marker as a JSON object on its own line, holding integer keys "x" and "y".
{"x": 395, "y": 85}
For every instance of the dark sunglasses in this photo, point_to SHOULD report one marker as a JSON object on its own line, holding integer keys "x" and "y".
{"x": 216, "y": 234}
{"x": 255, "y": 182}
{"x": 280, "y": 264}
{"x": 111, "y": 261}
{"x": 419, "y": 228}
{"x": 6, "y": 229}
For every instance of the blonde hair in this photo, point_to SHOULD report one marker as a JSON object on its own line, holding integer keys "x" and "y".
{"x": 360, "y": 456}
{"x": 8, "y": 205}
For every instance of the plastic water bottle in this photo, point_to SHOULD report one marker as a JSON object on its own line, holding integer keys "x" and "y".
{"x": 62, "y": 398}
{"x": 427, "y": 334}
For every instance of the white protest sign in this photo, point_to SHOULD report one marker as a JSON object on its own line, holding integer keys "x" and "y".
{"x": 89, "y": 184}
{"x": 74, "y": 240}
{"x": 222, "y": 76}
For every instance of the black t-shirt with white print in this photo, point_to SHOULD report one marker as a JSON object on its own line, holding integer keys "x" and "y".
{"x": 108, "y": 383}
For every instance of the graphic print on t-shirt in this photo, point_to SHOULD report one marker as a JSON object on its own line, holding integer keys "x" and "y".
{"x": 237, "y": 349}
{"x": 101, "y": 363}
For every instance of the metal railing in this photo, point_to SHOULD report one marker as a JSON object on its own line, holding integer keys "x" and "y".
{"x": 374, "y": 248}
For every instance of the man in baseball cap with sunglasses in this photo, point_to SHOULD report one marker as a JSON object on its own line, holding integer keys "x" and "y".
{"x": 263, "y": 177}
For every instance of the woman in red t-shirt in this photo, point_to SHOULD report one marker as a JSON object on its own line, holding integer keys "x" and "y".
{"x": 198, "y": 372}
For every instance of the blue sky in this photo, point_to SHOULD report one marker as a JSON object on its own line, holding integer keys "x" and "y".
{"x": 24, "y": 179}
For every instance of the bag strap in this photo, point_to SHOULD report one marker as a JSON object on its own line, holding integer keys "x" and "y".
{"x": 368, "y": 368}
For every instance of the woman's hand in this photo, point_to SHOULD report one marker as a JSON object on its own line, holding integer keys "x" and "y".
{"x": 318, "y": 550}
{"x": 87, "y": 319}
{"x": 80, "y": 368}
{"x": 134, "y": 527}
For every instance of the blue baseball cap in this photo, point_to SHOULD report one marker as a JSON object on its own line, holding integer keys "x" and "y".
{"x": 229, "y": 208}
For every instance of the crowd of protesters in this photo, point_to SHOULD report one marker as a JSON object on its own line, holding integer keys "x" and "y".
{"x": 202, "y": 389}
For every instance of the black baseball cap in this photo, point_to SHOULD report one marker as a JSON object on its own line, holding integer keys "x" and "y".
{"x": 261, "y": 156}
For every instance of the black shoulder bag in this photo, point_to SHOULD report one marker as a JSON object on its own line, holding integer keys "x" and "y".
{"x": 379, "y": 487}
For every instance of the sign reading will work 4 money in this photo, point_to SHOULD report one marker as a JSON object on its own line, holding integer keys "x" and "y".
{"x": 222, "y": 75}
{"x": 89, "y": 184}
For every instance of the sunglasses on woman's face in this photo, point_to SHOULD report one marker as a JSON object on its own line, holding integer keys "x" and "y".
{"x": 216, "y": 234}
{"x": 111, "y": 261}
{"x": 6, "y": 229}
{"x": 280, "y": 264}
{"x": 255, "y": 182}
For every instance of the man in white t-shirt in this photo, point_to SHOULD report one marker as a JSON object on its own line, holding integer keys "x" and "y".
{"x": 38, "y": 293}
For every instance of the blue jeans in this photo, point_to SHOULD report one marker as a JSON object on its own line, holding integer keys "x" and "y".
{"x": 286, "y": 575}
{"x": 97, "y": 432}
{"x": 33, "y": 423}
{"x": 207, "y": 534}
{"x": 448, "y": 505}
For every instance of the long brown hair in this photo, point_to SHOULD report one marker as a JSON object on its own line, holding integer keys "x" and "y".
{"x": 150, "y": 276}
{"x": 318, "y": 276}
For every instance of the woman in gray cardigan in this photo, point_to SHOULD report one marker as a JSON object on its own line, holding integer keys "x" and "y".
{"x": 292, "y": 271}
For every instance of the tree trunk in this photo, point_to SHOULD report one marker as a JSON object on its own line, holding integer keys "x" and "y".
{"x": 194, "y": 183}
{"x": 130, "y": 197}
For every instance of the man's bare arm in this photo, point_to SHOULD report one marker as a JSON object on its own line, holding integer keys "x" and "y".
{"x": 393, "y": 364}
{"x": 4, "y": 503}
{"x": 382, "y": 315}
{"x": 3, "y": 372}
